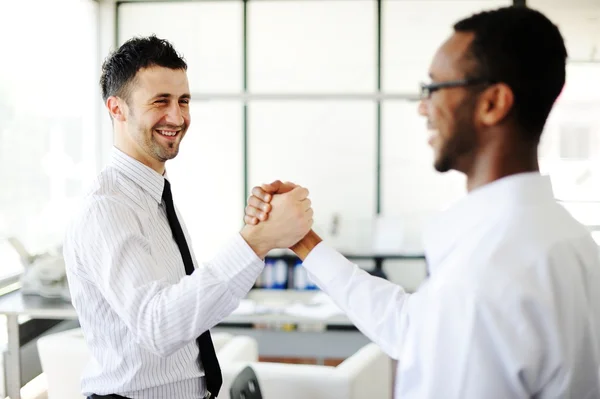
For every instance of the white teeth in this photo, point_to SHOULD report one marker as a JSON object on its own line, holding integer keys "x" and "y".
{"x": 432, "y": 133}
{"x": 167, "y": 132}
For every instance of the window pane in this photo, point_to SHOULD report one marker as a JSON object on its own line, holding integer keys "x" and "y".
{"x": 208, "y": 34}
{"x": 412, "y": 190}
{"x": 571, "y": 140}
{"x": 48, "y": 104}
{"x": 413, "y": 30}
{"x": 327, "y": 147}
{"x": 207, "y": 175}
{"x": 571, "y": 144}
{"x": 312, "y": 46}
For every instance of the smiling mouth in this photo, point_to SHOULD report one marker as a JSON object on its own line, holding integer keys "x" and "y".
{"x": 168, "y": 133}
{"x": 433, "y": 132}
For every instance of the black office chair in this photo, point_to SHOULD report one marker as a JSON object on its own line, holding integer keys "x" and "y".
{"x": 245, "y": 385}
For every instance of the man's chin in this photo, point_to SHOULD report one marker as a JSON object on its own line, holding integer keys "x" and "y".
{"x": 442, "y": 165}
{"x": 164, "y": 156}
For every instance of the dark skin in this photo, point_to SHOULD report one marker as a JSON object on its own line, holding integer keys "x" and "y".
{"x": 480, "y": 118}
{"x": 473, "y": 132}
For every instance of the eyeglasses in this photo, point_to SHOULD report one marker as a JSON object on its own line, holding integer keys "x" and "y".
{"x": 428, "y": 89}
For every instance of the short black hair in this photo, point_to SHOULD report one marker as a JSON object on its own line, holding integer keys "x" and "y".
{"x": 120, "y": 67}
{"x": 522, "y": 48}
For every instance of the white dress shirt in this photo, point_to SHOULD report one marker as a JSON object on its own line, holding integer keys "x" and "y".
{"x": 139, "y": 312}
{"x": 511, "y": 308}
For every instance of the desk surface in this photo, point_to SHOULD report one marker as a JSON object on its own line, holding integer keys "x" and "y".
{"x": 15, "y": 303}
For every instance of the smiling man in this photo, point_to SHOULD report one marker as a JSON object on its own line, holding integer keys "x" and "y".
{"x": 155, "y": 107}
{"x": 512, "y": 305}
{"x": 144, "y": 304}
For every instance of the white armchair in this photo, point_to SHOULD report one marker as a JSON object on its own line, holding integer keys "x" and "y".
{"x": 366, "y": 374}
{"x": 220, "y": 340}
{"x": 240, "y": 349}
{"x": 64, "y": 355}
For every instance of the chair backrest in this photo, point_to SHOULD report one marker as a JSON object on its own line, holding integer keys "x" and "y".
{"x": 63, "y": 356}
{"x": 245, "y": 385}
{"x": 220, "y": 339}
{"x": 369, "y": 371}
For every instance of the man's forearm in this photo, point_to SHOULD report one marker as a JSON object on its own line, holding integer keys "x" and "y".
{"x": 307, "y": 244}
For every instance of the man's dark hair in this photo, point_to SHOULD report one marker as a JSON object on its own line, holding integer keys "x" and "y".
{"x": 120, "y": 67}
{"x": 522, "y": 48}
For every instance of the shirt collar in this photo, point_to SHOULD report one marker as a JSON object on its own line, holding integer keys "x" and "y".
{"x": 481, "y": 206}
{"x": 147, "y": 178}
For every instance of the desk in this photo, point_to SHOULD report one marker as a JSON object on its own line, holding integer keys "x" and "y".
{"x": 334, "y": 343}
{"x": 13, "y": 305}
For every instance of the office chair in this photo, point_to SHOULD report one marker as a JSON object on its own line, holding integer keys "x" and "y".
{"x": 245, "y": 385}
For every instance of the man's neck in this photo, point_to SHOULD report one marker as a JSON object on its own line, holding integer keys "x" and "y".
{"x": 136, "y": 153}
{"x": 499, "y": 161}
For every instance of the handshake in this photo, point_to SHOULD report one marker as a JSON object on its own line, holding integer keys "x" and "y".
{"x": 278, "y": 215}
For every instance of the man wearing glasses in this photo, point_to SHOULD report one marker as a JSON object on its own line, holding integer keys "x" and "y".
{"x": 512, "y": 305}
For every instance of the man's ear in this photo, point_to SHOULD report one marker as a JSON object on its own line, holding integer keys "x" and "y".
{"x": 495, "y": 104}
{"x": 117, "y": 108}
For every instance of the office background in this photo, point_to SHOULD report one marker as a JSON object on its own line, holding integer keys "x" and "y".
{"x": 323, "y": 93}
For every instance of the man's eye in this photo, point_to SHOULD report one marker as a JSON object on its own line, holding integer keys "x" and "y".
{"x": 160, "y": 102}
{"x": 185, "y": 102}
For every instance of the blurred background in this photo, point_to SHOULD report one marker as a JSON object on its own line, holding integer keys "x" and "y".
{"x": 323, "y": 93}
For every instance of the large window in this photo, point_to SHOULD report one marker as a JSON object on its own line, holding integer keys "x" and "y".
{"x": 327, "y": 147}
{"x": 412, "y": 32}
{"x": 571, "y": 141}
{"x": 207, "y": 33}
{"x": 323, "y": 93}
{"x": 49, "y": 104}
{"x": 48, "y": 109}
{"x": 326, "y": 46}
{"x": 211, "y": 161}
{"x": 207, "y": 175}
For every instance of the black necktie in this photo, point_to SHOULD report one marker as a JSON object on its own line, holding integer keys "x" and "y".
{"x": 208, "y": 357}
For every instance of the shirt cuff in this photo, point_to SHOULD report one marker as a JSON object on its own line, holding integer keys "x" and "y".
{"x": 236, "y": 259}
{"x": 325, "y": 263}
